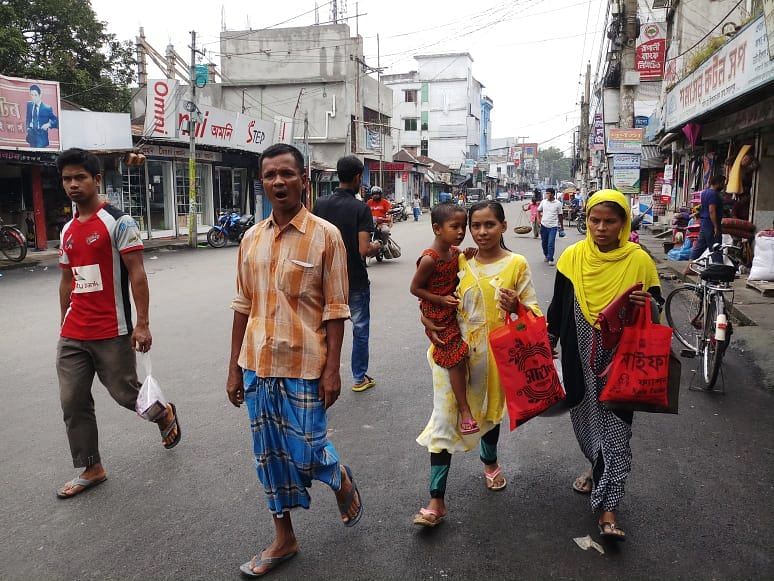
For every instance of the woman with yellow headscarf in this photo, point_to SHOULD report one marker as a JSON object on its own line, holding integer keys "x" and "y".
{"x": 592, "y": 274}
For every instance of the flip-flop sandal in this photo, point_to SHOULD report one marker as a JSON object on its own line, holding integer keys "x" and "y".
{"x": 610, "y": 531}
{"x": 345, "y": 505}
{"x": 422, "y": 520}
{"x": 172, "y": 425}
{"x": 583, "y": 484}
{"x": 468, "y": 428}
{"x": 247, "y": 569}
{"x": 83, "y": 482}
{"x": 490, "y": 480}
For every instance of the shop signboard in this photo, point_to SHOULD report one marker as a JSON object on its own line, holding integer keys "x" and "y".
{"x": 650, "y": 52}
{"x": 768, "y": 12}
{"x": 95, "y": 130}
{"x": 529, "y": 150}
{"x": 29, "y": 114}
{"x": 598, "y": 133}
{"x": 738, "y": 67}
{"x": 167, "y": 117}
{"x": 625, "y": 141}
{"x": 626, "y": 173}
{"x": 669, "y": 173}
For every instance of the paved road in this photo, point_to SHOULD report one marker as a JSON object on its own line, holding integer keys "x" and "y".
{"x": 698, "y": 503}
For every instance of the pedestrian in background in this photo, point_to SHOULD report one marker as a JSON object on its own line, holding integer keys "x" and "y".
{"x": 591, "y": 275}
{"x": 416, "y": 206}
{"x": 100, "y": 256}
{"x": 711, "y": 216}
{"x": 534, "y": 219}
{"x": 550, "y": 214}
{"x": 353, "y": 219}
{"x": 289, "y": 313}
{"x": 491, "y": 284}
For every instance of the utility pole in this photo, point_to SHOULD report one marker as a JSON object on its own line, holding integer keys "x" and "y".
{"x": 379, "y": 110}
{"x": 193, "y": 237}
{"x": 142, "y": 62}
{"x": 628, "y": 85}
{"x": 585, "y": 131}
{"x": 307, "y": 163}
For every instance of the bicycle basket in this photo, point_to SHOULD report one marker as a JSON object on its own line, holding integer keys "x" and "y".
{"x": 719, "y": 273}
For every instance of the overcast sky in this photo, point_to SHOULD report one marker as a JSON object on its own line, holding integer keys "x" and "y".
{"x": 528, "y": 53}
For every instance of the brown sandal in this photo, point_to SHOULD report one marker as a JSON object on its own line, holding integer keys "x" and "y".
{"x": 610, "y": 530}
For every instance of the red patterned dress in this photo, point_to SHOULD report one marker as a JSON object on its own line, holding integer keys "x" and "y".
{"x": 443, "y": 282}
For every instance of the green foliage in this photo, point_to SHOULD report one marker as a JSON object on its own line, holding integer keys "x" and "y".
{"x": 62, "y": 40}
{"x": 554, "y": 165}
{"x": 703, "y": 53}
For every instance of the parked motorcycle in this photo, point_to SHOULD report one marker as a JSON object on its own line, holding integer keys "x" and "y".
{"x": 231, "y": 227}
{"x": 399, "y": 211}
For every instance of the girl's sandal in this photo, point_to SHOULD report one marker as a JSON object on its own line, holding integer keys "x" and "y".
{"x": 469, "y": 427}
{"x": 610, "y": 531}
{"x": 583, "y": 484}
{"x": 492, "y": 480}
{"x": 428, "y": 517}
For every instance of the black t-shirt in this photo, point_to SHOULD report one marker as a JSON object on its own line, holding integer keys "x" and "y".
{"x": 350, "y": 216}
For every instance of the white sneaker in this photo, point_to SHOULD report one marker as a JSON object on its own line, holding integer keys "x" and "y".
{"x": 550, "y": 263}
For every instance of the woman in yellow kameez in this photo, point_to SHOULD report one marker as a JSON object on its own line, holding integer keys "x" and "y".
{"x": 491, "y": 285}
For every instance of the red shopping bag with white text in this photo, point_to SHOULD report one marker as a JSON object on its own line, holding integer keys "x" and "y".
{"x": 639, "y": 371}
{"x": 525, "y": 363}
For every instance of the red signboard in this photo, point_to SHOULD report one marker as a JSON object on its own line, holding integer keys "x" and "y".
{"x": 389, "y": 166}
{"x": 651, "y": 52}
{"x": 29, "y": 114}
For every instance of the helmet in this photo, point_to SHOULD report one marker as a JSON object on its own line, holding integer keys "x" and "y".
{"x": 376, "y": 190}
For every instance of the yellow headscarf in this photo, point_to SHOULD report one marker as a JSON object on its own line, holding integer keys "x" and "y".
{"x": 600, "y": 277}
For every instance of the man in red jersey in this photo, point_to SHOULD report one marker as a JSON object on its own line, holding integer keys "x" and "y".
{"x": 100, "y": 255}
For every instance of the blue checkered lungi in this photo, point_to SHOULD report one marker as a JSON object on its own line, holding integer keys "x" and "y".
{"x": 290, "y": 439}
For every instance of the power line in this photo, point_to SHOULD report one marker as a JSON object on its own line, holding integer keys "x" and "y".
{"x": 710, "y": 31}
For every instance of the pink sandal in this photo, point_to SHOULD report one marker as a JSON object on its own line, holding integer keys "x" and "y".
{"x": 469, "y": 427}
{"x": 422, "y": 519}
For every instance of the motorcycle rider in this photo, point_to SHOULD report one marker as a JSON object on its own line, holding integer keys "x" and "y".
{"x": 379, "y": 210}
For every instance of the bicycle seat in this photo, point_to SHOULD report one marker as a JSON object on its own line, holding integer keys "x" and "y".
{"x": 719, "y": 273}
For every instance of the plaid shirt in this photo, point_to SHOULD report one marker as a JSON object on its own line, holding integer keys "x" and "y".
{"x": 289, "y": 282}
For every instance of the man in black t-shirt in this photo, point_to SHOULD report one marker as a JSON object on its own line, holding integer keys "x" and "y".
{"x": 353, "y": 218}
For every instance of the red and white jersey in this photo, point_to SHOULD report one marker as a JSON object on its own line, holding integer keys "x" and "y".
{"x": 99, "y": 302}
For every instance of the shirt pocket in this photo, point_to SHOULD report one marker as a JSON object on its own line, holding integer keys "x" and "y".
{"x": 297, "y": 278}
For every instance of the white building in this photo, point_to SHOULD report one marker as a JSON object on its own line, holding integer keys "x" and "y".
{"x": 437, "y": 108}
{"x": 316, "y": 76}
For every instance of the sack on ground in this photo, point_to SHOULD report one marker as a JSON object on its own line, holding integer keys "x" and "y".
{"x": 151, "y": 403}
{"x": 763, "y": 260}
{"x": 639, "y": 372}
{"x": 525, "y": 362}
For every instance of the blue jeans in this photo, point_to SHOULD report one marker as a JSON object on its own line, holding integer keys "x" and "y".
{"x": 706, "y": 241}
{"x": 417, "y": 213}
{"x": 548, "y": 239}
{"x": 360, "y": 312}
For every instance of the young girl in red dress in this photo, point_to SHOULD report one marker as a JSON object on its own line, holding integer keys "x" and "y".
{"x": 434, "y": 283}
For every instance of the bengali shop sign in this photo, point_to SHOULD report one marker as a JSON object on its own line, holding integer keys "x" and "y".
{"x": 626, "y": 173}
{"x": 598, "y": 133}
{"x": 29, "y": 114}
{"x": 167, "y": 117}
{"x": 651, "y": 51}
{"x": 625, "y": 141}
{"x": 741, "y": 65}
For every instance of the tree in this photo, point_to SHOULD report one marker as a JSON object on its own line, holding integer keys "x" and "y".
{"x": 554, "y": 166}
{"x": 62, "y": 40}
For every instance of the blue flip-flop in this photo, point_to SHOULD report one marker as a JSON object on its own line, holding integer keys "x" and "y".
{"x": 344, "y": 506}
{"x": 257, "y": 561}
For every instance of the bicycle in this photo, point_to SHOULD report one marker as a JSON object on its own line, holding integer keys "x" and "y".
{"x": 698, "y": 313}
{"x": 13, "y": 245}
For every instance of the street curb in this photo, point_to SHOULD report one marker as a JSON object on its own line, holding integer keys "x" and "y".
{"x": 54, "y": 259}
{"x": 743, "y": 319}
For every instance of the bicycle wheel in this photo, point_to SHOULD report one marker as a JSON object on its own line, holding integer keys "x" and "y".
{"x": 684, "y": 310}
{"x": 12, "y": 244}
{"x": 714, "y": 350}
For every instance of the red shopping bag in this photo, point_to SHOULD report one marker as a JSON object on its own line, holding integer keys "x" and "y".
{"x": 525, "y": 363}
{"x": 639, "y": 371}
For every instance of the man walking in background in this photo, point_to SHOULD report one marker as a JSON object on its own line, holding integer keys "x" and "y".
{"x": 550, "y": 214}
{"x": 711, "y": 216}
{"x": 100, "y": 256}
{"x": 353, "y": 219}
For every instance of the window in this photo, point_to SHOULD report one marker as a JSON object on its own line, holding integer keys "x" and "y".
{"x": 410, "y": 95}
{"x": 423, "y": 148}
{"x": 425, "y": 93}
{"x": 425, "y": 117}
{"x": 410, "y": 124}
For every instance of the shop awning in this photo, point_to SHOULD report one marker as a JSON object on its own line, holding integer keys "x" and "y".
{"x": 668, "y": 138}
{"x": 651, "y": 157}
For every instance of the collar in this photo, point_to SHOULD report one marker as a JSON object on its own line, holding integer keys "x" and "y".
{"x": 299, "y": 221}
{"x": 349, "y": 191}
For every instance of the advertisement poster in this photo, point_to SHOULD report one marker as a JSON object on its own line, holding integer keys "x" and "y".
{"x": 626, "y": 173}
{"x": 650, "y": 52}
{"x": 625, "y": 141}
{"x": 29, "y": 114}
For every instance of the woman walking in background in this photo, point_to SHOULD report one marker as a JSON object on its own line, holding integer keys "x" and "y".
{"x": 591, "y": 275}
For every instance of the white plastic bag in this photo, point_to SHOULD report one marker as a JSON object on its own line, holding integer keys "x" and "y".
{"x": 151, "y": 404}
{"x": 763, "y": 260}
